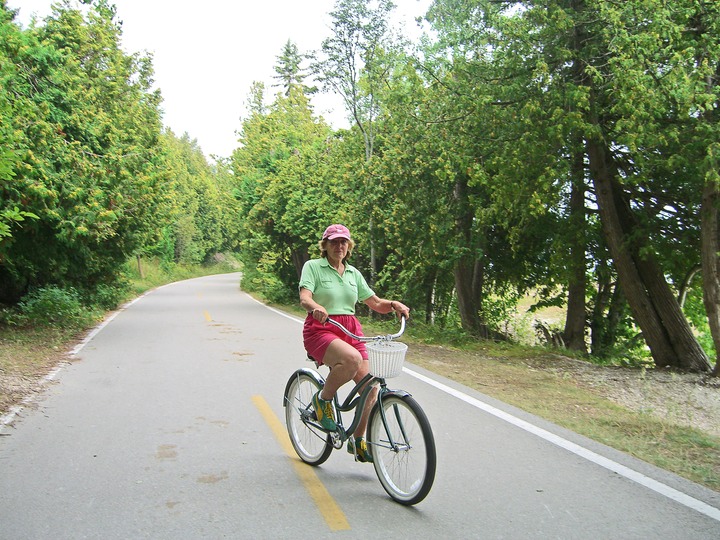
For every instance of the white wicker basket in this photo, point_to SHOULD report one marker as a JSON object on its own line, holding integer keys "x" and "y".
{"x": 386, "y": 358}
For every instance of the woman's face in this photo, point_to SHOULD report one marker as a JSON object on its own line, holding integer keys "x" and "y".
{"x": 337, "y": 248}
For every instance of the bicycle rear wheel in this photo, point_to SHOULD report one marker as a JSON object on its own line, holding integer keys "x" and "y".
{"x": 403, "y": 448}
{"x": 311, "y": 443}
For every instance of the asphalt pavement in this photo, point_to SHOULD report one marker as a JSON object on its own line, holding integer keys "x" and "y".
{"x": 168, "y": 423}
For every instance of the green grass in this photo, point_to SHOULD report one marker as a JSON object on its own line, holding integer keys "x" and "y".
{"x": 533, "y": 379}
{"x": 528, "y": 380}
{"x": 150, "y": 273}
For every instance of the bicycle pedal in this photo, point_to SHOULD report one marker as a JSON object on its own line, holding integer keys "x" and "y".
{"x": 352, "y": 449}
{"x": 337, "y": 441}
{"x": 307, "y": 415}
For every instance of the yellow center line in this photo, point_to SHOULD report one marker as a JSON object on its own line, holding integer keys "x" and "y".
{"x": 208, "y": 318}
{"x": 329, "y": 509}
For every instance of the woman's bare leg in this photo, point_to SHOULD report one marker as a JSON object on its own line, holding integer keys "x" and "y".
{"x": 346, "y": 364}
{"x": 362, "y": 426}
{"x": 344, "y": 361}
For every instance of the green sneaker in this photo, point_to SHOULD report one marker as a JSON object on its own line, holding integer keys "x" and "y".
{"x": 359, "y": 448}
{"x": 324, "y": 412}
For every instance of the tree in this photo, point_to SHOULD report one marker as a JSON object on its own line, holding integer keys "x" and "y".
{"x": 194, "y": 220}
{"x": 579, "y": 84}
{"x": 468, "y": 139}
{"x": 86, "y": 125}
{"x": 11, "y": 215}
{"x": 281, "y": 191}
{"x": 636, "y": 62}
{"x": 704, "y": 68}
{"x": 289, "y": 72}
{"x": 352, "y": 64}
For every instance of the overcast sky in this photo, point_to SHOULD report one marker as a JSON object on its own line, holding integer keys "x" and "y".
{"x": 207, "y": 54}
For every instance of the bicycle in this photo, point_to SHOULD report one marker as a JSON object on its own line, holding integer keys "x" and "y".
{"x": 398, "y": 436}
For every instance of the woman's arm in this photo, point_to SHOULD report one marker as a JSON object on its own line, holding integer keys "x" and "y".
{"x": 311, "y": 306}
{"x": 382, "y": 305}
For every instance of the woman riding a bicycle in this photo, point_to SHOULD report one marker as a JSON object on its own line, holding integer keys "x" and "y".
{"x": 331, "y": 286}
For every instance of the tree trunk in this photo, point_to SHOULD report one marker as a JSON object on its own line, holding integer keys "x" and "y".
{"x": 299, "y": 258}
{"x": 598, "y": 322}
{"x": 373, "y": 252}
{"x": 467, "y": 279}
{"x": 709, "y": 249}
{"x": 468, "y": 309}
{"x": 654, "y": 307}
{"x": 429, "y": 288}
{"x": 574, "y": 332}
{"x": 686, "y": 282}
{"x": 709, "y": 221}
{"x": 617, "y": 310}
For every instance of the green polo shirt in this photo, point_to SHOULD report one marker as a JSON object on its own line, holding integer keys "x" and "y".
{"x": 337, "y": 294}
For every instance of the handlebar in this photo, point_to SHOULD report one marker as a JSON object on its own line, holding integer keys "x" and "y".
{"x": 388, "y": 337}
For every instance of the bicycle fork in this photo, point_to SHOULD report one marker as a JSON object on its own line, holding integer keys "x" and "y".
{"x": 395, "y": 446}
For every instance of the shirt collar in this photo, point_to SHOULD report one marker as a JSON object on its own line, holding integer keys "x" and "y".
{"x": 326, "y": 263}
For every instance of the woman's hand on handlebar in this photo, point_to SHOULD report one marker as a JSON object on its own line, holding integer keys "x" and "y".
{"x": 319, "y": 314}
{"x": 401, "y": 309}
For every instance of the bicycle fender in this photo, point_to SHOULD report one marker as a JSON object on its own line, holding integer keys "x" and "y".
{"x": 310, "y": 372}
{"x": 398, "y": 393}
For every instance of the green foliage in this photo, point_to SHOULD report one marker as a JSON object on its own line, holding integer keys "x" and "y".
{"x": 84, "y": 132}
{"x": 451, "y": 334}
{"x": 351, "y": 62}
{"x": 54, "y": 306}
{"x": 107, "y": 296}
{"x": 281, "y": 185}
{"x": 87, "y": 178}
{"x": 541, "y": 78}
{"x": 695, "y": 311}
{"x": 11, "y": 216}
{"x": 197, "y": 207}
{"x": 465, "y": 178}
{"x": 288, "y": 71}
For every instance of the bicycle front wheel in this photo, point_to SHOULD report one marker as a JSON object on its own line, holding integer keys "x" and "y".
{"x": 312, "y": 444}
{"x": 403, "y": 448}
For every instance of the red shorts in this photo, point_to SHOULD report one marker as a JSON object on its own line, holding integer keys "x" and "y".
{"x": 317, "y": 336}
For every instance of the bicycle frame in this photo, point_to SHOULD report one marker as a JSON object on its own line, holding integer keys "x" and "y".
{"x": 398, "y": 433}
{"x": 355, "y": 400}
{"x": 359, "y": 404}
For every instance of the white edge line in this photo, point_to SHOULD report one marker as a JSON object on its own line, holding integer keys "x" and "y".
{"x": 578, "y": 450}
{"x": 14, "y": 411}
{"x": 609, "y": 464}
{"x": 95, "y": 331}
{"x": 622, "y": 470}
{"x": 281, "y": 313}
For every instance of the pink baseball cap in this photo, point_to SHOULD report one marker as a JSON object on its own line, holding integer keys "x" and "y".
{"x": 336, "y": 231}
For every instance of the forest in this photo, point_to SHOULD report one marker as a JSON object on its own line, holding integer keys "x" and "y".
{"x": 565, "y": 150}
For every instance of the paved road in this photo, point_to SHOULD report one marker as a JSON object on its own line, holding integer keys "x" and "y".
{"x": 166, "y": 424}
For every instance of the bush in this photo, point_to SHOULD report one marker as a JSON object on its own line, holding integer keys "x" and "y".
{"x": 54, "y": 306}
{"x": 109, "y": 296}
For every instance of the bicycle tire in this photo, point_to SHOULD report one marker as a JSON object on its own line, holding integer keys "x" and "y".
{"x": 407, "y": 471}
{"x": 312, "y": 444}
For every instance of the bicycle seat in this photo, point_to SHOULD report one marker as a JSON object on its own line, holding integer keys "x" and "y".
{"x": 311, "y": 359}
